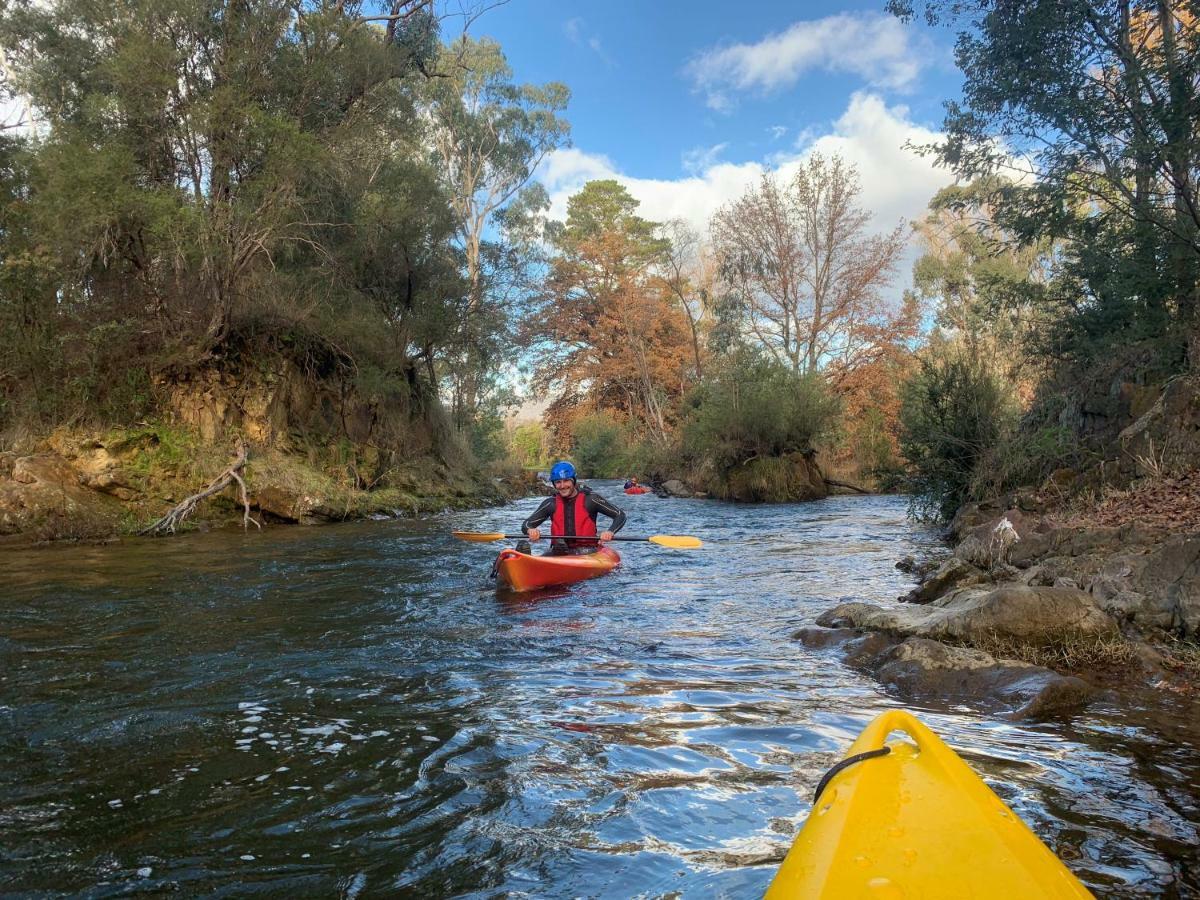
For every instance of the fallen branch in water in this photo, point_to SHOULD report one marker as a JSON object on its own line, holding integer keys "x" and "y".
{"x": 846, "y": 484}
{"x": 174, "y": 518}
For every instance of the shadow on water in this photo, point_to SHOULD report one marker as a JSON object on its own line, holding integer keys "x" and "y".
{"x": 356, "y": 710}
{"x": 511, "y": 601}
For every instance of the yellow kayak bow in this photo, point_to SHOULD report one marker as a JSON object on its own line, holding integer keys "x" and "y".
{"x": 914, "y": 821}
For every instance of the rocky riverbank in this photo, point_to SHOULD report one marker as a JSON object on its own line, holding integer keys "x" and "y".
{"x": 1049, "y": 596}
{"x": 1033, "y": 617}
{"x": 99, "y": 486}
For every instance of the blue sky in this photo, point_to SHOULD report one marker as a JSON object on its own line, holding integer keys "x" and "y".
{"x": 687, "y": 103}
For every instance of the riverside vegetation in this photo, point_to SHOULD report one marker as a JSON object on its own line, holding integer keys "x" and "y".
{"x": 1053, "y": 419}
{"x": 315, "y": 227}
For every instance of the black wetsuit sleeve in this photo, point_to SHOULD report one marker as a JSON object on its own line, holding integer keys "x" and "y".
{"x": 540, "y": 515}
{"x": 597, "y": 504}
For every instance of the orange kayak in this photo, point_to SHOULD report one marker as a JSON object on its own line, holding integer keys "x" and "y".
{"x": 524, "y": 572}
{"x": 637, "y": 490}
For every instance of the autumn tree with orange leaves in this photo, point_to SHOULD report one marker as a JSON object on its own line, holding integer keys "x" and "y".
{"x": 605, "y": 335}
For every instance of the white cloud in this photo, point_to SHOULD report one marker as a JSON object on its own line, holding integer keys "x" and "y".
{"x": 594, "y": 43}
{"x": 566, "y": 171}
{"x": 876, "y": 47}
{"x": 693, "y": 199}
{"x": 698, "y": 159}
{"x": 777, "y": 131}
{"x": 574, "y": 30}
{"x": 896, "y": 183}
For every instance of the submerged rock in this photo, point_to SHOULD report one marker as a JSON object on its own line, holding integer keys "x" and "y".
{"x": 920, "y": 666}
{"x": 926, "y": 670}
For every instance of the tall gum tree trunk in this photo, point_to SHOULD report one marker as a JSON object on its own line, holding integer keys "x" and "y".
{"x": 1179, "y": 157}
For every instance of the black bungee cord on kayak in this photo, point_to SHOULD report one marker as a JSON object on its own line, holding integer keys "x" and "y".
{"x": 844, "y": 764}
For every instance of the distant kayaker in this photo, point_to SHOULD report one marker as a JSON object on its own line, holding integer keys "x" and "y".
{"x": 632, "y": 482}
{"x": 572, "y": 511}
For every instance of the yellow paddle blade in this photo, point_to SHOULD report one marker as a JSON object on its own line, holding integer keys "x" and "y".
{"x": 678, "y": 541}
{"x": 481, "y": 537}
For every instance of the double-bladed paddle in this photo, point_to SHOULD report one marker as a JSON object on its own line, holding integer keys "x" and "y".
{"x": 677, "y": 541}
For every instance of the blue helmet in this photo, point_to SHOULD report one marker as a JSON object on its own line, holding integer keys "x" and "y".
{"x": 561, "y": 470}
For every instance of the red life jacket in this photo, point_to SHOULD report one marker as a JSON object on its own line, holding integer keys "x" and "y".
{"x": 585, "y": 525}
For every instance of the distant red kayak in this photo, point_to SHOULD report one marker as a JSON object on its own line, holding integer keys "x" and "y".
{"x": 524, "y": 572}
{"x": 637, "y": 490}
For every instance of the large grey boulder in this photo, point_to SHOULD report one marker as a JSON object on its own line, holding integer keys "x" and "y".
{"x": 925, "y": 668}
{"x": 676, "y": 488}
{"x": 1169, "y": 580}
{"x": 288, "y": 504}
{"x": 1023, "y": 613}
{"x": 1148, "y": 584}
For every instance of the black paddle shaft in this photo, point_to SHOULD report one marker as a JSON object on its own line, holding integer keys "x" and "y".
{"x": 576, "y": 537}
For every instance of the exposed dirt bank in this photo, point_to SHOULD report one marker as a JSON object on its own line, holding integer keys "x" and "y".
{"x": 92, "y": 486}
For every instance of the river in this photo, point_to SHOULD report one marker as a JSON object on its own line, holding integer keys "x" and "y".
{"x": 353, "y": 711}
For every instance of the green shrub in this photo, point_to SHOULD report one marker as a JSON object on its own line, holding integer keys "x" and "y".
{"x": 486, "y": 438}
{"x": 753, "y": 408}
{"x": 954, "y": 413}
{"x": 872, "y": 446}
{"x": 647, "y": 459}
{"x": 1028, "y": 456}
{"x": 527, "y": 446}
{"x": 772, "y": 479}
{"x": 597, "y": 446}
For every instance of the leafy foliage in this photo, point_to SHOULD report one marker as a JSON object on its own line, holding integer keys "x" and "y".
{"x": 256, "y": 188}
{"x": 597, "y": 447}
{"x": 1101, "y": 98}
{"x": 527, "y": 445}
{"x": 753, "y": 408}
{"x": 954, "y": 412}
{"x": 606, "y": 334}
{"x": 488, "y": 136}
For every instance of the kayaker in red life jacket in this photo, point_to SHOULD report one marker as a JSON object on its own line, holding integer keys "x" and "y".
{"x": 632, "y": 482}
{"x": 572, "y": 511}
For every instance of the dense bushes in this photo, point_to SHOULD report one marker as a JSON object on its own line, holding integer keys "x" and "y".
{"x": 598, "y": 442}
{"x": 954, "y": 412}
{"x": 527, "y": 445}
{"x": 751, "y": 410}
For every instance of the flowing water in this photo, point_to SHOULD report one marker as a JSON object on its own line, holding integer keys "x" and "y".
{"x": 354, "y": 711}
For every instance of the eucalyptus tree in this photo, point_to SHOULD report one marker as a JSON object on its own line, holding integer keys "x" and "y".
{"x": 1100, "y": 99}
{"x": 986, "y": 287}
{"x": 489, "y": 135}
{"x": 216, "y": 178}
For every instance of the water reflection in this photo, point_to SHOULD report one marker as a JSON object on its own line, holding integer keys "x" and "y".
{"x": 356, "y": 710}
